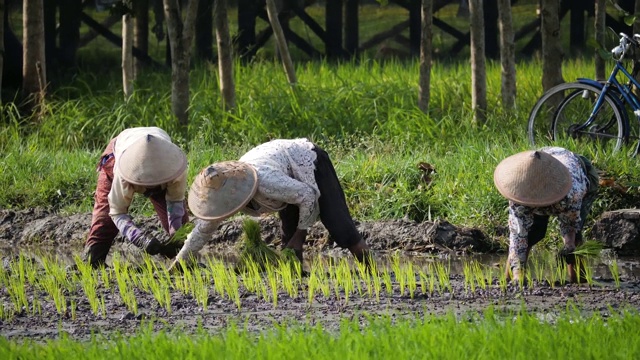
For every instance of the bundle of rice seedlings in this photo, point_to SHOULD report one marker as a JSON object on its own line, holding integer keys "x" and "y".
{"x": 589, "y": 249}
{"x": 180, "y": 236}
{"x": 253, "y": 249}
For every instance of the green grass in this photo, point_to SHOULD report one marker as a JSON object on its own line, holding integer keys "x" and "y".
{"x": 490, "y": 335}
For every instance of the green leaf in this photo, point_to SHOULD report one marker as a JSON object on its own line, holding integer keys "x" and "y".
{"x": 629, "y": 19}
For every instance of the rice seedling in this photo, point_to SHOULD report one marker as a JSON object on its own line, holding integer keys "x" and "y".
{"x": 272, "y": 279}
{"x": 123, "y": 280}
{"x": 411, "y": 279}
{"x": 289, "y": 276}
{"x": 538, "y": 268}
{"x": 89, "y": 283}
{"x": 365, "y": 274}
{"x": 17, "y": 284}
{"x": 469, "y": 277}
{"x": 502, "y": 281}
{"x": 444, "y": 281}
{"x": 386, "y": 280}
{"x": 487, "y": 276}
{"x": 398, "y": 273}
{"x": 200, "y": 287}
{"x": 615, "y": 272}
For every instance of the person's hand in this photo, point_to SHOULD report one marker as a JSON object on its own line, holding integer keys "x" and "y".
{"x": 152, "y": 246}
{"x": 170, "y": 249}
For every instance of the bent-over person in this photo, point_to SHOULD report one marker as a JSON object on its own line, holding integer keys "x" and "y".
{"x": 538, "y": 184}
{"x": 293, "y": 177}
{"x": 139, "y": 160}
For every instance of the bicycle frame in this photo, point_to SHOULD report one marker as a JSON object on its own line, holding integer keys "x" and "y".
{"x": 623, "y": 89}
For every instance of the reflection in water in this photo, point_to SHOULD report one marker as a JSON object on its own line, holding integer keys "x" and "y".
{"x": 629, "y": 267}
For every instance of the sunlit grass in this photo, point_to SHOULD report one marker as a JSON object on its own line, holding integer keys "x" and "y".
{"x": 487, "y": 335}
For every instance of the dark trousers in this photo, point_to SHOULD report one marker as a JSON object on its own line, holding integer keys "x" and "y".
{"x": 540, "y": 222}
{"x": 103, "y": 231}
{"x": 334, "y": 213}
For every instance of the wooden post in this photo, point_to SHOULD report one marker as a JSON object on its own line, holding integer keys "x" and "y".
{"x": 281, "y": 41}
{"x": 426, "y": 15}
{"x": 478, "y": 63}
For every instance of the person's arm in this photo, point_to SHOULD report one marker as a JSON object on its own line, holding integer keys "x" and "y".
{"x": 279, "y": 186}
{"x": 120, "y": 197}
{"x": 197, "y": 239}
{"x": 175, "y": 202}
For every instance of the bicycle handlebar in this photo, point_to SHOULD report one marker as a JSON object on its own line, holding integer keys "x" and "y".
{"x": 621, "y": 50}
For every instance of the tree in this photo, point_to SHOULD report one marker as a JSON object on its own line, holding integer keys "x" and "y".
{"x": 552, "y": 53}
{"x": 507, "y": 55}
{"x": 478, "y": 62}
{"x": 140, "y": 32}
{"x": 225, "y": 61}
{"x": 127, "y": 52}
{"x": 180, "y": 38}
{"x": 424, "y": 93}
{"x": 2, "y": 10}
{"x": 281, "y": 41}
{"x": 600, "y": 29}
{"x": 34, "y": 65}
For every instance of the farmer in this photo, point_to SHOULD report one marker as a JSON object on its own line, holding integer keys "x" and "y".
{"x": 139, "y": 160}
{"x": 549, "y": 181}
{"x": 292, "y": 177}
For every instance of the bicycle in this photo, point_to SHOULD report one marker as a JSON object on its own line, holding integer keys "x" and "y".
{"x": 591, "y": 110}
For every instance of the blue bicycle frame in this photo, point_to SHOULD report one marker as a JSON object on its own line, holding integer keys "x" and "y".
{"x": 621, "y": 89}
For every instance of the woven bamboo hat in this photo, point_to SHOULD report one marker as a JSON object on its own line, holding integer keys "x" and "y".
{"x": 151, "y": 161}
{"x": 221, "y": 189}
{"x": 532, "y": 178}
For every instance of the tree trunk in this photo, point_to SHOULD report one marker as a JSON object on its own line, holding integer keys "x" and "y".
{"x": 2, "y": 10}
{"x": 180, "y": 38}
{"x": 507, "y": 55}
{"x": 424, "y": 92}
{"x": 283, "y": 49}
{"x": 478, "y": 66}
{"x": 34, "y": 66}
{"x": 140, "y": 32}
{"x": 69, "y": 31}
{"x": 636, "y": 23}
{"x": 127, "y": 56}
{"x": 552, "y": 53}
{"x": 600, "y": 30}
{"x": 225, "y": 60}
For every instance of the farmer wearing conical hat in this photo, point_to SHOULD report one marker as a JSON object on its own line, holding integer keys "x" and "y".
{"x": 139, "y": 160}
{"x": 294, "y": 178}
{"x": 549, "y": 181}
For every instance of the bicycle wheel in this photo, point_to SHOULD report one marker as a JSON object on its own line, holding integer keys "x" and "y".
{"x": 561, "y": 117}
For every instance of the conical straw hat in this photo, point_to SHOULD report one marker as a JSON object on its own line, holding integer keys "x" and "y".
{"x": 532, "y": 178}
{"x": 221, "y": 189}
{"x": 151, "y": 161}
